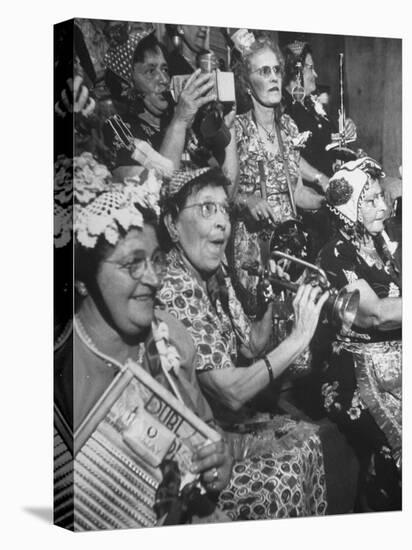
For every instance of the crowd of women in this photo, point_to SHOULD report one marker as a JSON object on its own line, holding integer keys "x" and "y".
{"x": 175, "y": 225}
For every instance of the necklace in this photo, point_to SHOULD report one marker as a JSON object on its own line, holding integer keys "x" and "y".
{"x": 111, "y": 362}
{"x": 270, "y": 134}
{"x": 86, "y": 339}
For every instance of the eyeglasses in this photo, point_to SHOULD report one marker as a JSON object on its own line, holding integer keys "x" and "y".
{"x": 266, "y": 71}
{"x": 374, "y": 201}
{"x": 138, "y": 266}
{"x": 210, "y": 208}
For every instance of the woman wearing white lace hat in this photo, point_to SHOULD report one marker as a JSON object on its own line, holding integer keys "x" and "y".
{"x": 119, "y": 268}
{"x": 363, "y": 381}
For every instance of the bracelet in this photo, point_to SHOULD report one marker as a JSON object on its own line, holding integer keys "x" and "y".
{"x": 269, "y": 367}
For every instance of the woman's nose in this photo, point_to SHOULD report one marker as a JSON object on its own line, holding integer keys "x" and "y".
{"x": 382, "y": 205}
{"x": 150, "y": 277}
{"x": 162, "y": 78}
{"x": 222, "y": 220}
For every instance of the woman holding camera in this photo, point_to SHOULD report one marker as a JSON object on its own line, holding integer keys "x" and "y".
{"x": 363, "y": 380}
{"x": 138, "y": 75}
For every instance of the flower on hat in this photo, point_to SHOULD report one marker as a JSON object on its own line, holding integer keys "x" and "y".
{"x": 90, "y": 177}
{"x": 339, "y": 191}
{"x": 146, "y": 193}
{"x": 348, "y": 185}
{"x": 114, "y": 207}
{"x": 243, "y": 40}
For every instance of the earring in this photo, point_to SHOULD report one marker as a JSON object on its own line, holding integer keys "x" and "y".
{"x": 81, "y": 288}
{"x": 248, "y": 91}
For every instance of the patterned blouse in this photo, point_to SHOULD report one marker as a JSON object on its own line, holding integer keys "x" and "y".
{"x": 216, "y": 331}
{"x": 257, "y": 164}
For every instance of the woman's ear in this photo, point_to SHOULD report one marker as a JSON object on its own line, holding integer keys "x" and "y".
{"x": 171, "y": 228}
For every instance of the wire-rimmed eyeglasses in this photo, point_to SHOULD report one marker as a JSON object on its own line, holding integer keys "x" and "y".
{"x": 266, "y": 71}
{"x": 137, "y": 267}
{"x": 210, "y": 208}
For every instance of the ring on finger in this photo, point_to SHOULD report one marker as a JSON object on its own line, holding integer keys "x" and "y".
{"x": 215, "y": 475}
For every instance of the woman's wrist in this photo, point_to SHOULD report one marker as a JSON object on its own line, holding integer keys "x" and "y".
{"x": 179, "y": 122}
{"x": 297, "y": 341}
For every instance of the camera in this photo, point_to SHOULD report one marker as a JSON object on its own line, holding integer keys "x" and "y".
{"x": 224, "y": 83}
{"x": 209, "y": 124}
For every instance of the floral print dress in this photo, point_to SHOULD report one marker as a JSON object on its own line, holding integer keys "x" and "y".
{"x": 279, "y": 468}
{"x": 361, "y": 390}
{"x": 260, "y": 168}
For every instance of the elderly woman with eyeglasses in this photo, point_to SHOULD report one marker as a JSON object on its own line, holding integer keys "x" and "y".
{"x": 268, "y": 158}
{"x": 233, "y": 363}
{"x": 362, "y": 389}
{"x": 119, "y": 267}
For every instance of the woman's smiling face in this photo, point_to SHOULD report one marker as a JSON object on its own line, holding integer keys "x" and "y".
{"x": 128, "y": 301}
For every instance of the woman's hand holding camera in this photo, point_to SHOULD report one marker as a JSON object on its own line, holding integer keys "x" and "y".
{"x": 198, "y": 91}
{"x": 214, "y": 463}
{"x": 307, "y": 306}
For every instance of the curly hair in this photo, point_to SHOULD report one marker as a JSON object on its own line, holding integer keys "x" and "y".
{"x": 338, "y": 192}
{"x": 241, "y": 69}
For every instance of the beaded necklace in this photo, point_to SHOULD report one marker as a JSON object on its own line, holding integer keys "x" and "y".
{"x": 111, "y": 362}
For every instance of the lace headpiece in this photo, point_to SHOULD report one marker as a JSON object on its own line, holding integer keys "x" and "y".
{"x": 118, "y": 207}
{"x": 179, "y": 179}
{"x": 77, "y": 179}
{"x": 101, "y": 207}
{"x": 119, "y": 59}
{"x": 296, "y": 47}
{"x": 348, "y": 186}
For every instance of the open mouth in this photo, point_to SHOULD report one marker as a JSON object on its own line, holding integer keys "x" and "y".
{"x": 274, "y": 89}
